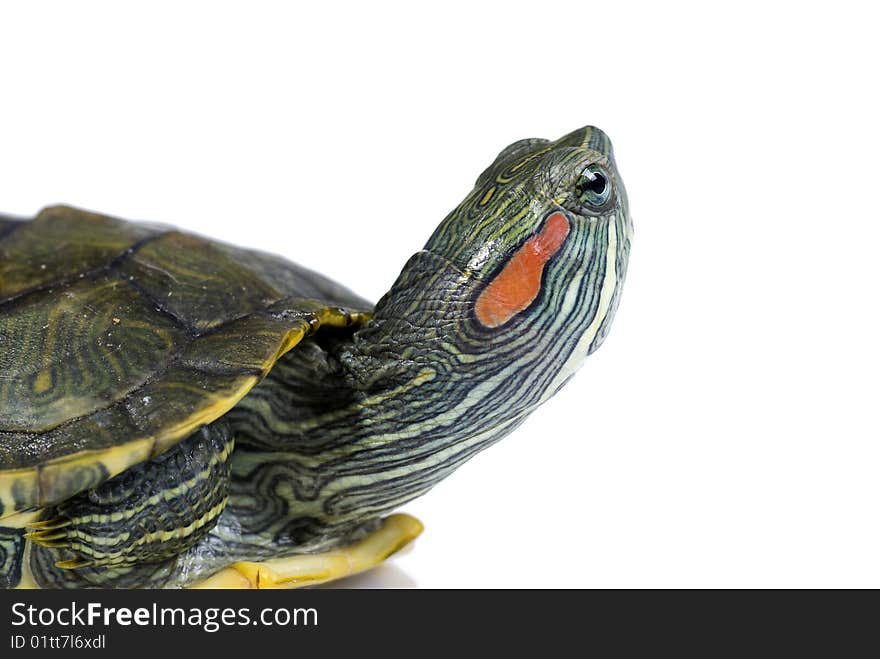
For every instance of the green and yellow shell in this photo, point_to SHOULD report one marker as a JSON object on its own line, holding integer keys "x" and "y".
{"x": 120, "y": 340}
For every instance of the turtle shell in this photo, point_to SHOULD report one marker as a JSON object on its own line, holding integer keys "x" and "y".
{"x": 119, "y": 339}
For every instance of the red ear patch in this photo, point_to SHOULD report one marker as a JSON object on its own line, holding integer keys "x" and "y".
{"x": 519, "y": 282}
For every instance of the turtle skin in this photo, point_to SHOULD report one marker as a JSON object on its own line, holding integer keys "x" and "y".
{"x": 120, "y": 339}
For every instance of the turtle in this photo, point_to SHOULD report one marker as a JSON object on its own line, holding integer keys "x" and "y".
{"x": 181, "y": 412}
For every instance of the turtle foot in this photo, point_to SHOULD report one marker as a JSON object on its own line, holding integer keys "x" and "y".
{"x": 395, "y": 532}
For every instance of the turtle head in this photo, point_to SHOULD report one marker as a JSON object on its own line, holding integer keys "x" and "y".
{"x": 522, "y": 279}
{"x": 545, "y": 230}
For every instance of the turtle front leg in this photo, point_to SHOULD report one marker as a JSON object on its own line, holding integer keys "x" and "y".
{"x": 118, "y": 533}
{"x": 393, "y": 534}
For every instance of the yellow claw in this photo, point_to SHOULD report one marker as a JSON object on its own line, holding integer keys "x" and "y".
{"x": 48, "y": 525}
{"x": 47, "y": 538}
{"x": 73, "y": 564}
{"x": 394, "y": 534}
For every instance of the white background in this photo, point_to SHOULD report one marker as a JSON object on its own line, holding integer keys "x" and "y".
{"x": 726, "y": 434}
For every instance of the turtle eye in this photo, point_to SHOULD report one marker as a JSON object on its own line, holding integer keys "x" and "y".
{"x": 593, "y": 188}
